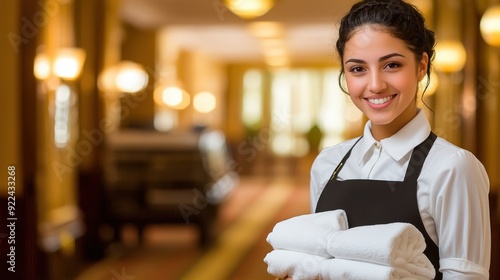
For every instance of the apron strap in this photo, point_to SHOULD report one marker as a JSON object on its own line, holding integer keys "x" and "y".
{"x": 342, "y": 162}
{"x": 418, "y": 157}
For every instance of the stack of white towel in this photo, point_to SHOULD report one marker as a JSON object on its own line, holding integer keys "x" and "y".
{"x": 321, "y": 246}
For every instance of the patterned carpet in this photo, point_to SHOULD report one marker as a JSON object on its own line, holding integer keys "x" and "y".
{"x": 171, "y": 251}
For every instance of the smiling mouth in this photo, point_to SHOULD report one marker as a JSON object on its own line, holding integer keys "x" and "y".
{"x": 379, "y": 101}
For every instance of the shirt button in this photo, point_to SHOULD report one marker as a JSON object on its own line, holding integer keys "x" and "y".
{"x": 377, "y": 145}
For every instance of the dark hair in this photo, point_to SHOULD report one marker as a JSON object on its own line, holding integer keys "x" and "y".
{"x": 402, "y": 20}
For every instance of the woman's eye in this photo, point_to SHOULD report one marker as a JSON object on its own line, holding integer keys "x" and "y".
{"x": 392, "y": 65}
{"x": 356, "y": 69}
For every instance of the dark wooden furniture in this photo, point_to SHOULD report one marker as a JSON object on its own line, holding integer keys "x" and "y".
{"x": 174, "y": 177}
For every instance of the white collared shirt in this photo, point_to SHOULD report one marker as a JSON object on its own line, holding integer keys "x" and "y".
{"x": 452, "y": 191}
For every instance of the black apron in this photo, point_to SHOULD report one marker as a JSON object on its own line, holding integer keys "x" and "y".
{"x": 370, "y": 202}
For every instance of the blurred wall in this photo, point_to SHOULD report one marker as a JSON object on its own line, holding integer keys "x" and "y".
{"x": 466, "y": 102}
{"x": 139, "y": 46}
{"x": 10, "y": 97}
{"x": 199, "y": 73}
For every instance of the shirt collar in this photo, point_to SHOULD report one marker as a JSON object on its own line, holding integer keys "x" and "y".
{"x": 401, "y": 143}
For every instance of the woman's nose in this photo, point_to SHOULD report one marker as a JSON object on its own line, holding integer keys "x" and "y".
{"x": 377, "y": 82}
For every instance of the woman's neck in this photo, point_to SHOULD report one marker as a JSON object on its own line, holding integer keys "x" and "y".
{"x": 383, "y": 131}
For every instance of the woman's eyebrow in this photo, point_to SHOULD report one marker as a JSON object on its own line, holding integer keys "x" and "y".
{"x": 385, "y": 57}
{"x": 355, "y": 60}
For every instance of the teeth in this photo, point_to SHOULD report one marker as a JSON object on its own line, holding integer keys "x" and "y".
{"x": 380, "y": 100}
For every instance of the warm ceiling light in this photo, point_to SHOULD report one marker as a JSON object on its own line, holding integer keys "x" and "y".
{"x": 249, "y": 9}
{"x": 450, "y": 56}
{"x": 279, "y": 61}
{"x": 68, "y": 63}
{"x": 275, "y": 52}
{"x": 204, "y": 102}
{"x": 266, "y": 29}
{"x": 490, "y": 26}
{"x": 273, "y": 43}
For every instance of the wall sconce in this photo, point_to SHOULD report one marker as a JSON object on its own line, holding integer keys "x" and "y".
{"x": 172, "y": 96}
{"x": 67, "y": 64}
{"x": 204, "y": 102}
{"x": 126, "y": 76}
{"x": 42, "y": 68}
{"x": 490, "y": 26}
{"x": 450, "y": 56}
{"x": 248, "y": 9}
{"x": 55, "y": 74}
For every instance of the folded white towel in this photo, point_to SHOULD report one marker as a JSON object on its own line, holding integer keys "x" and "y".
{"x": 396, "y": 244}
{"x": 340, "y": 269}
{"x": 297, "y": 265}
{"x": 307, "y": 233}
{"x": 302, "y": 266}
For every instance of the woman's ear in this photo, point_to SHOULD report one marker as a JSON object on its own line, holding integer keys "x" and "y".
{"x": 422, "y": 66}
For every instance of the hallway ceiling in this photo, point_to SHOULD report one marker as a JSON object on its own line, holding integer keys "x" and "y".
{"x": 207, "y": 26}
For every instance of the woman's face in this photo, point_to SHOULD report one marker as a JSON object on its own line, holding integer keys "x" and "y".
{"x": 382, "y": 76}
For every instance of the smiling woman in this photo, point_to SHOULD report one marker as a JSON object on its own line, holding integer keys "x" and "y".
{"x": 398, "y": 171}
{"x": 386, "y": 50}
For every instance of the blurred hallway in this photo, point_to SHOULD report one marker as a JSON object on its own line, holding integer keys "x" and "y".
{"x": 142, "y": 114}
